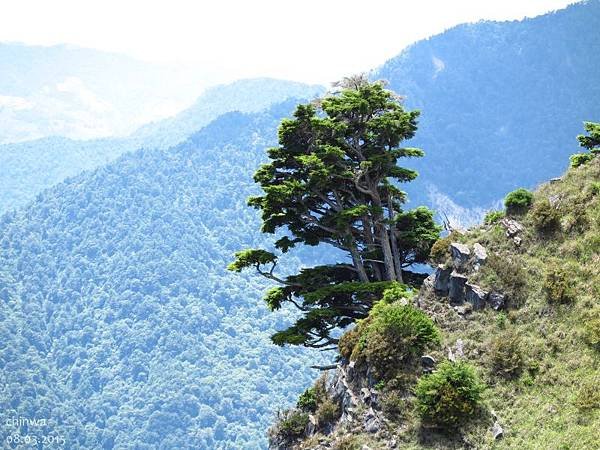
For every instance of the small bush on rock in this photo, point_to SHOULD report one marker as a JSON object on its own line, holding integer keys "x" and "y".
{"x": 518, "y": 200}
{"x": 307, "y": 400}
{"x": 440, "y": 250}
{"x": 450, "y": 395}
{"x": 327, "y": 412}
{"x": 591, "y": 328}
{"x": 396, "y": 334}
{"x": 579, "y": 159}
{"x": 492, "y": 217}
{"x": 348, "y": 342}
{"x": 292, "y": 424}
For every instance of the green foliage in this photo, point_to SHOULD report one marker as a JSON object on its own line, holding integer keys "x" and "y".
{"x": 492, "y": 217}
{"x": 394, "y": 335}
{"x": 450, "y": 395}
{"x": 558, "y": 285}
{"x": 396, "y": 292}
{"x": 327, "y": 412}
{"x": 592, "y": 140}
{"x": 545, "y": 217}
{"x": 506, "y": 354}
{"x": 591, "y": 328}
{"x": 518, "y": 200}
{"x": 588, "y": 397}
{"x": 307, "y": 400}
{"x": 579, "y": 159}
{"x": 504, "y": 273}
{"x": 251, "y": 257}
{"x": 293, "y": 424}
{"x": 595, "y": 188}
{"x": 348, "y": 341}
{"x": 440, "y": 250}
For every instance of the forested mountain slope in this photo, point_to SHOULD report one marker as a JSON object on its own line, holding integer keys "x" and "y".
{"x": 501, "y": 101}
{"x": 119, "y": 321}
{"x": 29, "y": 167}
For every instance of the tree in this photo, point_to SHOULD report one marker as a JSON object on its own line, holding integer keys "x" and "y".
{"x": 331, "y": 181}
{"x": 591, "y": 142}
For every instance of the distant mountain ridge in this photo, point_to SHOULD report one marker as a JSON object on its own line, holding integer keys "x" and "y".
{"x": 33, "y": 166}
{"x": 501, "y": 102}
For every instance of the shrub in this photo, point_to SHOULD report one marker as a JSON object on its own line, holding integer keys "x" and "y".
{"x": 440, "y": 250}
{"x": 546, "y": 218}
{"x": 397, "y": 292}
{"x": 449, "y": 395}
{"x": 578, "y": 159}
{"x": 588, "y": 397}
{"x": 591, "y": 328}
{"x": 505, "y": 274}
{"x": 293, "y": 423}
{"x": 327, "y": 412}
{"x": 558, "y": 285}
{"x": 492, "y": 217}
{"x": 595, "y": 188}
{"x": 307, "y": 400}
{"x": 518, "y": 200}
{"x": 348, "y": 341}
{"x": 396, "y": 334}
{"x": 506, "y": 354}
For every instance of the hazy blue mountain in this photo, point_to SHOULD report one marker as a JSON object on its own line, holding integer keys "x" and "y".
{"x": 29, "y": 167}
{"x": 501, "y": 102}
{"x": 83, "y": 93}
{"x": 119, "y": 320}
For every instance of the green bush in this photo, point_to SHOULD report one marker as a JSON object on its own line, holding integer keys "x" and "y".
{"x": 396, "y": 292}
{"x": 546, "y": 218}
{"x": 440, "y": 250}
{"x": 506, "y": 274}
{"x": 327, "y": 412}
{"x": 518, "y": 200}
{"x": 449, "y": 395}
{"x": 307, "y": 400}
{"x": 348, "y": 342}
{"x": 588, "y": 397}
{"x": 395, "y": 334}
{"x": 578, "y": 159}
{"x": 591, "y": 328}
{"x": 293, "y": 423}
{"x": 492, "y": 217}
{"x": 506, "y": 354}
{"x": 595, "y": 188}
{"x": 558, "y": 285}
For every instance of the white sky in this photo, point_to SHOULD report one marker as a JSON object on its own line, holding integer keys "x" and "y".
{"x": 311, "y": 40}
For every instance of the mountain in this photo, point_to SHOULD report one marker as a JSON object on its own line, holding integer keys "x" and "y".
{"x": 505, "y": 335}
{"x": 83, "y": 93}
{"x": 33, "y": 166}
{"x": 501, "y": 102}
{"x": 119, "y": 321}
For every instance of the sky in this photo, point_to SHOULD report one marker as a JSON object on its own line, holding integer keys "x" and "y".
{"x": 315, "y": 41}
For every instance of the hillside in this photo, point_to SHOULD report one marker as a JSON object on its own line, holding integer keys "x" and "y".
{"x": 119, "y": 320}
{"x": 500, "y": 101}
{"x": 521, "y": 336}
{"x": 32, "y": 166}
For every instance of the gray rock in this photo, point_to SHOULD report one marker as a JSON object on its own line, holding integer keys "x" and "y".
{"x": 517, "y": 240}
{"x": 456, "y": 287}
{"x": 441, "y": 280}
{"x": 555, "y": 180}
{"x": 460, "y": 254}
{"x": 475, "y": 295}
{"x": 371, "y": 422}
{"x": 480, "y": 255}
{"x": 497, "y": 300}
{"x": 554, "y": 200}
{"x": 511, "y": 226}
{"x": 428, "y": 362}
{"x": 463, "y": 309}
{"x": 497, "y": 431}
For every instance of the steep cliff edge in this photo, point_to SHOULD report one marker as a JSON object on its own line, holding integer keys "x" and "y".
{"x": 516, "y": 302}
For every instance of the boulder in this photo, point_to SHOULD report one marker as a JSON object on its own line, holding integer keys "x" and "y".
{"x": 497, "y": 431}
{"x": 456, "y": 287}
{"x": 428, "y": 362}
{"x": 497, "y": 300}
{"x": 441, "y": 280}
{"x": 480, "y": 255}
{"x": 371, "y": 422}
{"x": 511, "y": 226}
{"x": 463, "y": 309}
{"x": 475, "y": 295}
{"x": 460, "y": 254}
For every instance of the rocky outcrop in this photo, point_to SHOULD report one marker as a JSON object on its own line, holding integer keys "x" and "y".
{"x": 453, "y": 281}
{"x": 513, "y": 229}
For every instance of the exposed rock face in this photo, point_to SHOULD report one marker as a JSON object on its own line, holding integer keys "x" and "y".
{"x": 460, "y": 254}
{"x": 497, "y": 431}
{"x": 456, "y": 290}
{"x": 480, "y": 255}
{"x": 428, "y": 362}
{"x": 513, "y": 228}
{"x": 475, "y": 295}
{"x": 497, "y": 300}
{"x": 441, "y": 280}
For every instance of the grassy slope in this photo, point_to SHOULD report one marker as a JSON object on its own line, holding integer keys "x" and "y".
{"x": 554, "y": 402}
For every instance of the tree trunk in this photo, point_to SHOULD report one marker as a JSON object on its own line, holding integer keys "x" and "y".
{"x": 388, "y": 259}
{"x": 366, "y": 223}
{"x": 357, "y": 261}
{"x": 394, "y": 241}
